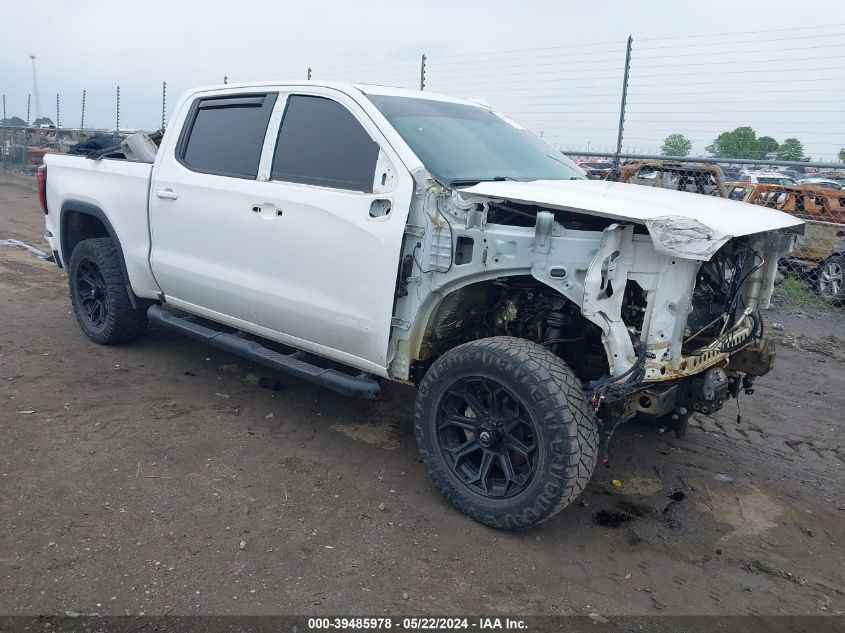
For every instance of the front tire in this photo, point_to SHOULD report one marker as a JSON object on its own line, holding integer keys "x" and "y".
{"x": 99, "y": 295}
{"x": 505, "y": 431}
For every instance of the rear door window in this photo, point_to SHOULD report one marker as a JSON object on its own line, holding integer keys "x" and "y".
{"x": 321, "y": 143}
{"x": 225, "y": 135}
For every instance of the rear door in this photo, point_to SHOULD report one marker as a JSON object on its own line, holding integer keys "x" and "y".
{"x": 200, "y": 205}
{"x": 329, "y": 230}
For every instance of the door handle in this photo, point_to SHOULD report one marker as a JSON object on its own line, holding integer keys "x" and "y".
{"x": 167, "y": 193}
{"x": 269, "y": 207}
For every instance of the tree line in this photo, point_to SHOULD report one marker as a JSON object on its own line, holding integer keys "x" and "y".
{"x": 16, "y": 121}
{"x": 742, "y": 142}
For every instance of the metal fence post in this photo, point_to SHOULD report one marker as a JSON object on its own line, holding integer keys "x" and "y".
{"x": 422, "y": 72}
{"x": 622, "y": 106}
{"x": 3, "y": 126}
{"x": 117, "y": 115}
{"x": 26, "y": 131}
{"x": 163, "y": 104}
{"x": 58, "y": 122}
{"x": 82, "y": 119}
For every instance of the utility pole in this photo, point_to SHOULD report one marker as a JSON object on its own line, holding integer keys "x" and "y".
{"x": 422, "y": 72}
{"x": 622, "y": 107}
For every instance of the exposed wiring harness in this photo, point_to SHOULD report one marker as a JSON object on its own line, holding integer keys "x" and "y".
{"x": 632, "y": 377}
{"x": 753, "y": 333}
{"x": 737, "y": 287}
{"x": 613, "y": 389}
{"x": 451, "y": 242}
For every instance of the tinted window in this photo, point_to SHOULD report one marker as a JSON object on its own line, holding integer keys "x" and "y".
{"x": 321, "y": 143}
{"x": 226, "y": 135}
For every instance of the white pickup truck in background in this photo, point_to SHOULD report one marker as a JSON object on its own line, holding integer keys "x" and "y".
{"x": 347, "y": 234}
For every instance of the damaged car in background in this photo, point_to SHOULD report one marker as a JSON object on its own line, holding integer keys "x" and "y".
{"x": 350, "y": 234}
{"x": 702, "y": 178}
{"x": 819, "y": 255}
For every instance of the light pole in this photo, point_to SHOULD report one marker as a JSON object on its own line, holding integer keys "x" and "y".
{"x": 35, "y": 89}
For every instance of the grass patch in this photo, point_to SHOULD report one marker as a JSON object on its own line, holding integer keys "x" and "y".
{"x": 798, "y": 293}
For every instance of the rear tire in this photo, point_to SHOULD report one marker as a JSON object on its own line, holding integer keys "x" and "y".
{"x": 99, "y": 295}
{"x": 505, "y": 431}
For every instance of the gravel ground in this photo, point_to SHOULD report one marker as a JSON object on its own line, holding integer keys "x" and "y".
{"x": 158, "y": 477}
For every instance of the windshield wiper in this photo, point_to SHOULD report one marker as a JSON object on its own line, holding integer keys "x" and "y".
{"x": 468, "y": 182}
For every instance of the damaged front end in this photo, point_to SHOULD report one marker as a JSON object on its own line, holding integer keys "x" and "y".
{"x": 694, "y": 326}
{"x": 680, "y": 313}
{"x": 656, "y": 307}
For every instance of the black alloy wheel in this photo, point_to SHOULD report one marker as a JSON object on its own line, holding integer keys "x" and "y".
{"x": 488, "y": 437}
{"x": 92, "y": 293}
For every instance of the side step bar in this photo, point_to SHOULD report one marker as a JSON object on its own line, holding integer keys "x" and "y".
{"x": 363, "y": 386}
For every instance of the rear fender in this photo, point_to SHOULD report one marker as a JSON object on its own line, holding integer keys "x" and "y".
{"x": 67, "y": 241}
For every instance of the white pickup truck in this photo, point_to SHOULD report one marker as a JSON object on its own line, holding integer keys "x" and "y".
{"x": 348, "y": 234}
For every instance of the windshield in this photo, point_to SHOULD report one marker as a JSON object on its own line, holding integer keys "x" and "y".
{"x": 463, "y": 144}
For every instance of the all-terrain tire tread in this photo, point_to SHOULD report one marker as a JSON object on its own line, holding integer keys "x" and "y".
{"x": 124, "y": 323}
{"x": 559, "y": 405}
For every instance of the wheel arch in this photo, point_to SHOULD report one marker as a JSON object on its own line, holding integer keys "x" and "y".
{"x": 80, "y": 221}
{"x": 436, "y": 302}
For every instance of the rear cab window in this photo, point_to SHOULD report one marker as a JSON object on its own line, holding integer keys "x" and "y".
{"x": 224, "y": 135}
{"x": 321, "y": 143}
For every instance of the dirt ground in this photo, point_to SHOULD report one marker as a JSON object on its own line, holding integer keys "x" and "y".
{"x": 158, "y": 477}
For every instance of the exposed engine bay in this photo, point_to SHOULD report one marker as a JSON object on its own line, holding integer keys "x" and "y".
{"x": 717, "y": 296}
{"x": 643, "y": 328}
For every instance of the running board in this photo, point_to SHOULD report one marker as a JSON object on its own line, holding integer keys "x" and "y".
{"x": 363, "y": 386}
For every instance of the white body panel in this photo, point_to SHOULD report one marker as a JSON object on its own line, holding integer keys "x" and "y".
{"x": 120, "y": 189}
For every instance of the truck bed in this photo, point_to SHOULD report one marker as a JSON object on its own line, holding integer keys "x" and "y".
{"x": 119, "y": 188}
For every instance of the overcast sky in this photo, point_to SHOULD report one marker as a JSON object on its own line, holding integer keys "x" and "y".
{"x": 697, "y": 68}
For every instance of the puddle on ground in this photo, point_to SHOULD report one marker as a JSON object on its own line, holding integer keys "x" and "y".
{"x": 612, "y": 518}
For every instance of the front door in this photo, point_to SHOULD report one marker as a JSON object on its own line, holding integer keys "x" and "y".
{"x": 328, "y": 231}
